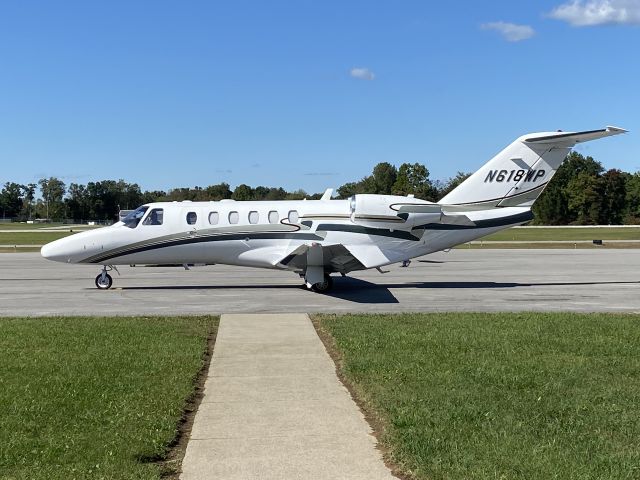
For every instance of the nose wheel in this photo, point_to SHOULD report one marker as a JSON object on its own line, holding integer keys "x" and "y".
{"x": 104, "y": 280}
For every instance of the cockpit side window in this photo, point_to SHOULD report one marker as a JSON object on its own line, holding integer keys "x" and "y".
{"x": 155, "y": 217}
{"x": 134, "y": 217}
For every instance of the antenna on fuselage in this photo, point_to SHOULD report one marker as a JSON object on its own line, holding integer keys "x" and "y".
{"x": 328, "y": 193}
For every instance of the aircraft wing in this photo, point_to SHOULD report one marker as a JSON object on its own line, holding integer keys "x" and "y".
{"x": 337, "y": 257}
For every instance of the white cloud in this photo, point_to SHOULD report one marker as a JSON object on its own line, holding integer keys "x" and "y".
{"x": 580, "y": 13}
{"x": 511, "y": 32}
{"x": 362, "y": 73}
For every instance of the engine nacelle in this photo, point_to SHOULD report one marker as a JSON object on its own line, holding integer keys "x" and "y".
{"x": 407, "y": 211}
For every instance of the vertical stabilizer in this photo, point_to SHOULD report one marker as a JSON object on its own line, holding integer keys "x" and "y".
{"x": 517, "y": 175}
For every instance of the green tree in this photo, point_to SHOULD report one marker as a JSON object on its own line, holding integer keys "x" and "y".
{"x": 583, "y": 194}
{"x": 632, "y": 199}
{"x": 296, "y": 195}
{"x": 218, "y": 192}
{"x": 29, "y": 197}
{"x": 242, "y": 192}
{"x": 280, "y": 193}
{"x": 552, "y": 207}
{"x": 384, "y": 176}
{"x": 11, "y": 199}
{"x": 183, "y": 193}
{"x": 414, "y": 179}
{"x": 52, "y": 190}
{"x": 613, "y": 187}
{"x": 153, "y": 196}
{"x": 77, "y": 202}
{"x": 347, "y": 190}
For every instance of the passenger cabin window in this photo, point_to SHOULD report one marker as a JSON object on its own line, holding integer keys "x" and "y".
{"x": 293, "y": 216}
{"x": 214, "y": 218}
{"x": 233, "y": 217}
{"x": 155, "y": 217}
{"x": 273, "y": 216}
{"x": 254, "y": 217}
{"x": 134, "y": 217}
{"x": 192, "y": 218}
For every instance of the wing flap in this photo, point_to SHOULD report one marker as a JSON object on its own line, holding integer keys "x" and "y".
{"x": 337, "y": 258}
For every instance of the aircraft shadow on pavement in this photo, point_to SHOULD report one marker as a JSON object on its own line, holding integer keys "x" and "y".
{"x": 361, "y": 291}
{"x": 345, "y": 288}
{"x": 435, "y": 285}
{"x": 212, "y": 287}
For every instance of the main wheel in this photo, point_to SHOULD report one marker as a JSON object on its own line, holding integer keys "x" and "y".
{"x": 324, "y": 286}
{"x": 104, "y": 284}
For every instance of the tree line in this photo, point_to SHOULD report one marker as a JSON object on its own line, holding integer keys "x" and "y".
{"x": 581, "y": 193}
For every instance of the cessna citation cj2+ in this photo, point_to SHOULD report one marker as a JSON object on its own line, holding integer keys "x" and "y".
{"x": 316, "y": 238}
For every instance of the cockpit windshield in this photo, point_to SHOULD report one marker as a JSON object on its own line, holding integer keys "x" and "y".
{"x": 134, "y": 217}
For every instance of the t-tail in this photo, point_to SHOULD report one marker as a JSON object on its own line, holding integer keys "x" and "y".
{"x": 517, "y": 175}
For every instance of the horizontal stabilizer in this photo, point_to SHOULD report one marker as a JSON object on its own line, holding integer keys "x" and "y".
{"x": 570, "y": 139}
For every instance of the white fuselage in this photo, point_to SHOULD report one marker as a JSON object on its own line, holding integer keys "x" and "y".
{"x": 264, "y": 233}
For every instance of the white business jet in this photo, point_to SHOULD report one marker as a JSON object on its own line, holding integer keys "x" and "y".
{"x": 315, "y": 238}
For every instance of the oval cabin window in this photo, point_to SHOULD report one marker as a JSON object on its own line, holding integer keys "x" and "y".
{"x": 254, "y": 217}
{"x": 293, "y": 216}
{"x": 273, "y": 217}
{"x": 192, "y": 218}
{"x": 214, "y": 218}
{"x": 233, "y": 217}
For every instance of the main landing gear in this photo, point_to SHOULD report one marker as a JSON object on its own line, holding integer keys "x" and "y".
{"x": 321, "y": 287}
{"x": 104, "y": 280}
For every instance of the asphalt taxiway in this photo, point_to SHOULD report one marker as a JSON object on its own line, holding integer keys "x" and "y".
{"x": 461, "y": 280}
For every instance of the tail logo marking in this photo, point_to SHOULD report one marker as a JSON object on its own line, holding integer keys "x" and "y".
{"x": 514, "y": 175}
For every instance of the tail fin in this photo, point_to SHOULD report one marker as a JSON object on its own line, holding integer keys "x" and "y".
{"x": 517, "y": 175}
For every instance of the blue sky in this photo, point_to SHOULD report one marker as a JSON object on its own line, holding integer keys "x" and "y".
{"x": 305, "y": 94}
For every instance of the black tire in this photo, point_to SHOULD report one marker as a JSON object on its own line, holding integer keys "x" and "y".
{"x": 108, "y": 281}
{"x": 325, "y": 286}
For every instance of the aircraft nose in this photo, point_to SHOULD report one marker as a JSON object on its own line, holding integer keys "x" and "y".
{"x": 57, "y": 251}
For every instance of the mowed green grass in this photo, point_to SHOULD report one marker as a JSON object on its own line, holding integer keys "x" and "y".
{"x": 562, "y": 234}
{"x": 498, "y": 396}
{"x": 27, "y": 226}
{"x": 31, "y": 238}
{"x": 94, "y": 397}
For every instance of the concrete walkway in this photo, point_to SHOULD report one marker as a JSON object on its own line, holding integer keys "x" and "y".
{"x": 273, "y": 408}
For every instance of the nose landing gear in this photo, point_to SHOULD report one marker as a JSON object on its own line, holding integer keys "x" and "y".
{"x": 104, "y": 280}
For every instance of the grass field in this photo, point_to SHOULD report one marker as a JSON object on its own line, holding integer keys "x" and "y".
{"x": 30, "y": 238}
{"x": 497, "y": 396}
{"x": 94, "y": 397}
{"x": 27, "y": 226}
{"x": 562, "y": 234}
{"x": 607, "y": 244}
